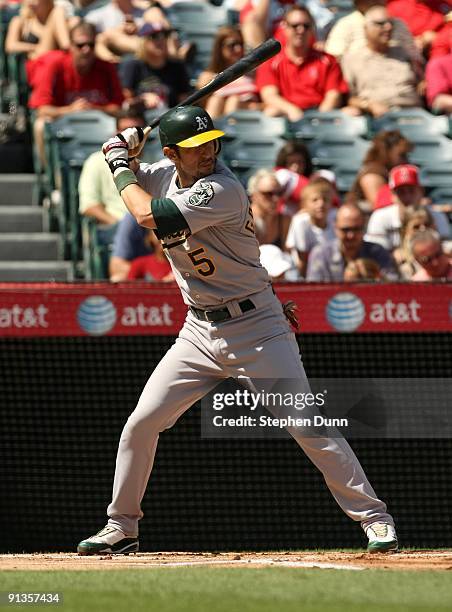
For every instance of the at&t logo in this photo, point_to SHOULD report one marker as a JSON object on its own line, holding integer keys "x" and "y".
{"x": 96, "y": 315}
{"x": 345, "y": 311}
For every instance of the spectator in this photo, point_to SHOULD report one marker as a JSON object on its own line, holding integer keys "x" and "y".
{"x": 270, "y": 224}
{"x": 152, "y": 78}
{"x": 380, "y": 77}
{"x": 153, "y": 267}
{"x": 428, "y": 252}
{"x": 312, "y": 225}
{"x": 40, "y": 27}
{"x": 117, "y": 24}
{"x": 442, "y": 44}
{"x": 242, "y": 93}
{"x": 293, "y": 167}
{"x": 74, "y": 81}
{"x": 439, "y": 84}
{"x": 388, "y": 149}
{"x": 348, "y": 33}
{"x": 277, "y": 263}
{"x": 417, "y": 220}
{"x": 261, "y": 19}
{"x": 129, "y": 243}
{"x": 99, "y": 199}
{"x": 362, "y": 269}
{"x": 424, "y": 19}
{"x": 327, "y": 261}
{"x": 385, "y": 223}
{"x": 300, "y": 77}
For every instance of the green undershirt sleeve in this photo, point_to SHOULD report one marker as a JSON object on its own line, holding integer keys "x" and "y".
{"x": 167, "y": 216}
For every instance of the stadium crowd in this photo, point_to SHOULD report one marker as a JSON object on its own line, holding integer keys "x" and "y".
{"x": 125, "y": 58}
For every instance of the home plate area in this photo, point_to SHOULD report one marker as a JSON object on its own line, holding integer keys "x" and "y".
{"x": 403, "y": 560}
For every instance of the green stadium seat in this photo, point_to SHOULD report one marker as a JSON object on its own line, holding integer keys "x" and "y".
{"x": 439, "y": 175}
{"x": 329, "y": 151}
{"x": 245, "y": 153}
{"x": 249, "y": 123}
{"x": 199, "y": 15}
{"x": 412, "y": 122}
{"x": 345, "y": 177}
{"x": 316, "y": 124}
{"x": 430, "y": 149}
{"x": 441, "y": 195}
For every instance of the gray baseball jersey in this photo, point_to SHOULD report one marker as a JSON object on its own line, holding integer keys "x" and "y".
{"x": 208, "y": 234}
{"x": 216, "y": 259}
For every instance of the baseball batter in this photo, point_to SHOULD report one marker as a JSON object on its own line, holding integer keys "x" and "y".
{"x": 235, "y": 325}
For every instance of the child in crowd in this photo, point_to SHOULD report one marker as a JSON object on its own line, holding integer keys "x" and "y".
{"x": 153, "y": 267}
{"x": 362, "y": 269}
{"x": 313, "y": 224}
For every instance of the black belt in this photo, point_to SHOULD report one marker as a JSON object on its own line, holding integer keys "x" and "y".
{"x": 222, "y": 314}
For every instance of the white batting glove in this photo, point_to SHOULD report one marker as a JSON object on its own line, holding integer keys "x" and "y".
{"x": 133, "y": 136}
{"x": 116, "y": 155}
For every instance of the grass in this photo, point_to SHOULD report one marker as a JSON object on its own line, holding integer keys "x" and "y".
{"x": 210, "y": 589}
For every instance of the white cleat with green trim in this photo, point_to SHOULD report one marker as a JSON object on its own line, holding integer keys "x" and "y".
{"x": 382, "y": 538}
{"x": 109, "y": 541}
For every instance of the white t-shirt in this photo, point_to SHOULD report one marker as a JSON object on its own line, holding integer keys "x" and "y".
{"x": 303, "y": 235}
{"x": 384, "y": 226}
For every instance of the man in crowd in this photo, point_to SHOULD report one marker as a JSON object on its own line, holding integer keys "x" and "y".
{"x": 74, "y": 82}
{"x": 380, "y": 77}
{"x": 328, "y": 260}
{"x": 130, "y": 242}
{"x": 300, "y": 77}
{"x": 99, "y": 199}
{"x": 385, "y": 223}
{"x": 427, "y": 250}
{"x": 348, "y": 33}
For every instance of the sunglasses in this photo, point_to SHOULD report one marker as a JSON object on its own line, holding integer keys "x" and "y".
{"x": 232, "y": 44}
{"x": 427, "y": 259}
{"x": 301, "y": 24}
{"x": 271, "y": 194}
{"x": 89, "y": 44}
{"x": 380, "y": 23}
{"x": 162, "y": 35}
{"x": 349, "y": 230}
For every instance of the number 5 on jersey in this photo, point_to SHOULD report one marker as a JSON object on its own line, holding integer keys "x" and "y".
{"x": 203, "y": 265}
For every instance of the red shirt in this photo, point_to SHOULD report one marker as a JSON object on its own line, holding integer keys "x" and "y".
{"x": 419, "y": 16}
{"x": 60, "y": 84}
{"x": 149, "y": 268}
{"x": 438, "y": 75}
{"x": 304, "y": 85}
{"x": 442, "y": 45}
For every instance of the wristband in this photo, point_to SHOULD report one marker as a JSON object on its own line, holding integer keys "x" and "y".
{"x": 124, "y": 179}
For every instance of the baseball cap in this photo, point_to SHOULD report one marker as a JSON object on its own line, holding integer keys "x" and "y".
{"x": 405, "y": 174}
{"x": 274, "y": 260}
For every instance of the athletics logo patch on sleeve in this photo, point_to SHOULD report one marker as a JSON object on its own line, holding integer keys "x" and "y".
{"x": 202, "y": 194}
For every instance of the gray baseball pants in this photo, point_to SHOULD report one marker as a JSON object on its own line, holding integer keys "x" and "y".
{"x": 256, "y": 345}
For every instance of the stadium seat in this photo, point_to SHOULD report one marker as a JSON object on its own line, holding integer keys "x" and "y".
{"x": 412, "y": 122}
{"x": 249, "y": 152}
{"x": 439, "y": 175}
{"x": 345, "y": 177}
{"x": 199, "y": 15}
{"x": 338, "y": 151}
{"x": 316, "y": 124}
{"x": 441, "y": 195}
{"x": 430, "y": 149}
{"x": 249, "y": 123}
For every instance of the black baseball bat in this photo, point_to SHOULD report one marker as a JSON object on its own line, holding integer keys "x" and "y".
{"x": 246, "y": 64}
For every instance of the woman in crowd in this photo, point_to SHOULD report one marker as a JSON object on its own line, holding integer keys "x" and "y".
{"x": 39, "y": 27}
{"x": 388, "y": 149}
{"x": 417, "y": 220}
{"x": 293, "y": 167}
{"x": 241, "y": 93}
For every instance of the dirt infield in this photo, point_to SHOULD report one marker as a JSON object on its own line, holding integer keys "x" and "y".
{"x": 404, "y": 560}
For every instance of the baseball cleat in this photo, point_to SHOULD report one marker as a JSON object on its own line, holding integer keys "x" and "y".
{"x": 382, "y": 538}
{"x": 109, "y": 541}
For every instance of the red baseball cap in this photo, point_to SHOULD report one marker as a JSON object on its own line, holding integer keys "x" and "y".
{"x": 406, "y": 174}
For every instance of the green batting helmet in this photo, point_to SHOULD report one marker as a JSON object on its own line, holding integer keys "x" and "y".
{"x": 187, "y": 126}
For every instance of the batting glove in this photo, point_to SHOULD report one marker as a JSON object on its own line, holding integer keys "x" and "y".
{"x": 133, "y": 136}
{"x": 116, "y": 155}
